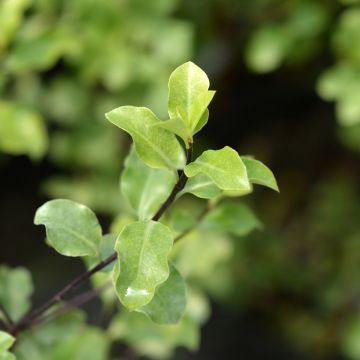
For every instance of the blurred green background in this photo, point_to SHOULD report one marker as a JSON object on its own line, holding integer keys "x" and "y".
{"x": 287, "y": 75}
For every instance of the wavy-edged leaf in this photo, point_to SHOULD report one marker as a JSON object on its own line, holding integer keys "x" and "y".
{"x": 188, "y": 94}
{"x": 258, "y": 173}
{"x": 232, "y": 218}
{"x": 224, "y": 167}
{"x": 144, "y": 187}
{"x": 72, "y": 229}
{"x": 15, "y": 289}
{"x": 143, "y": 248}
{"x": 169, "y": 302}
{"x": 157, "y": 147}
{"x": 6, "y": 341}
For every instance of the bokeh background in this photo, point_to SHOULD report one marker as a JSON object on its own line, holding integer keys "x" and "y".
{"x": 287, "y": 75}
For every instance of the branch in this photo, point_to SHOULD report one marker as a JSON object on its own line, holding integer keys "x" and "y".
{"x": 191, "y": 228}
{"x": 28, "y": 320}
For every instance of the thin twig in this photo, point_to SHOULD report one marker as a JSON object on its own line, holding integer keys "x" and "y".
{"x": 73, "y": 303}
{"x": 28, "y": 319}
{"x": 7, "y": 316}
{"x": 31, "y": 318}
{"x": 191, "y": 228}
{"x": 177, "y": 188}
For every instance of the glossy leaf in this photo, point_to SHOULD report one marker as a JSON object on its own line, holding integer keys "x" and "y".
{"x": 15, "y": 290}
{"x": 157, "y": 147}
{"x": 224, "y": 167}
{"x": 188, "y": 94}
{"x": 72, "y": 229}
{"x": 142, "y": 264}
{"x": 144, "y": 187}
{"x": 232, "y": 218}
{"x": 201, "y": 186}
{"x": 258, "y": 173}
{"x": 150, "y": 339}
{"x": 6, "y": 341}
{"x": 169, "y": 302}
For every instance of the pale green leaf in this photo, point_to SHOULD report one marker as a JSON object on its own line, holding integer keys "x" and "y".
{"x": 144, "y": 187}
{"x": 157, "y": 147}
{"x": 22, "y": 131}
{"x": 201, "y": 186}
{"x": 143, "y": 248}
{"x": 15, "y": 290}
{"x": 224, "y": 167}
{"x": 169, "y": 302}
{"x": 232, "y": 218}
{"x": 72, "y": 229}
{"x": 350, "y": 338}
{"x": 106, "y": 248}
{"x": 6, "y": 341}
{"x": 176, "y": 126}
{"x": 202, "y": 122}
{"x": 153, "y": 340}
{"x": 267, "y": 48}
{"x": 188, "y": 94}
{"x": 7, "y": 356}
{"x": 258, "y": 173}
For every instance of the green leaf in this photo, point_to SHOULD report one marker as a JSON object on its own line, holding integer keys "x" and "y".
{"x": 21, "y": 131}
{"x": 93, "y": 344}
{"x": 15, "y": 290}
{"x": 72, "y": 229}
{"x": 188, "y": 94}
{"x": 7, "y": 356}
{"x": 150, "y": 339}
{"x": 106, "y": 248}
{"x": 224, "y": 167}
{"x": 202, "y": 122}
{"x": 169, "y": 302}
{"x": 143, "y": 248}
{"x": 258, "y": 173}
{"x": 201, "y": 186}
{"x": 144, "y": 187}
{"x": 232, "y": 218}
{"x": 176, "y": 126}
{"x": 157, "y": 147}
{"x": 6, "y": 341}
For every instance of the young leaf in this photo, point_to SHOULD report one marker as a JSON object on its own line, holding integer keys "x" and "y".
{"x": 15, "y": 290}
{"x": 176, "y": 126}
{"x": 232, "y": 218}
{"x": 72, "y": 229}
{"x": 6, "y": 341}
{"x": 169, "y": 302}
{"x": 224, "y": 167}
{"x": 201, "y": 186}
{"x": 188, "y": 94}
{"x": 142, "y": 264}
{"x": 7, "y": 356}
{"x": 260, "y": 174}
{"x": 144, "y": 187}
{"x": 157, "y": 147}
